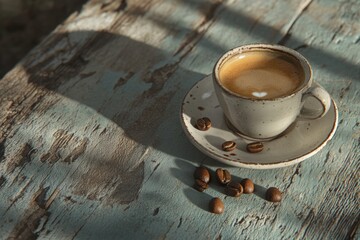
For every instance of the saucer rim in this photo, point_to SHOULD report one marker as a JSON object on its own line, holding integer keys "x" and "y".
{"x": 238, "y": 163}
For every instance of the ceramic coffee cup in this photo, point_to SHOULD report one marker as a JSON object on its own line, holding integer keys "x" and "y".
{"x": 260, "y": 115}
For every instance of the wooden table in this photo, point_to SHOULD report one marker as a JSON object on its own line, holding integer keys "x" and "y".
{"x": 91, "y": 146}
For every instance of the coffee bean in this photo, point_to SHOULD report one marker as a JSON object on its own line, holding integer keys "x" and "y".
{"x": 234, "y": 189}
{"x": 198, "y": 188}
{"x": 202, "y": 178}
{"x": 247, "y": 185}
{"x": 255, "y": 147}
{"x": 273, "y": 194}
{"x": 223, "y": 176}
{"x": 228, "y": 146}
{"x": 202, "y": 173}
{"x": 203, "y": 124}
{"x": 200, "y": 185}
{"x": 216, "y": 206}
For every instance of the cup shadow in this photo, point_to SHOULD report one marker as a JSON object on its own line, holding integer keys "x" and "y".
{"x": 141, "y": 95}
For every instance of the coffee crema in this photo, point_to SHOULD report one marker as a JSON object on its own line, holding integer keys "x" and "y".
{"x": 261, "y": 74}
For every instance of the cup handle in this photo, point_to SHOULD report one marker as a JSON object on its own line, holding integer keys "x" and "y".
{"x": 320, "y": 95}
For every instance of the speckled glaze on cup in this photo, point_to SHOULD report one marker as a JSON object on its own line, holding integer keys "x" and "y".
{"x": 265, "y": 119}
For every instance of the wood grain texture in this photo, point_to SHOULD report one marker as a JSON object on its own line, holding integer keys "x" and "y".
{"x": 91, "y": 145}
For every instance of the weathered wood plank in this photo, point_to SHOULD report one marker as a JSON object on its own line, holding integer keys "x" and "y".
{"x": 91, "y": 145}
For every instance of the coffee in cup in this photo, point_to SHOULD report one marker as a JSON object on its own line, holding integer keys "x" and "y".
{"x": 262, "y": 74}
{"x": 262, "y": 88}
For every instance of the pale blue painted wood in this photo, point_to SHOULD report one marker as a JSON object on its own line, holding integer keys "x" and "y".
{"x": 115, "y": 112}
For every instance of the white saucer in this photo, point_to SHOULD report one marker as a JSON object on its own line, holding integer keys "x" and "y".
{"x": 301, "y": 141}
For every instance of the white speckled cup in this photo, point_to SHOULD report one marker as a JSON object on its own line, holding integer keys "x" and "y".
{"x": 264, "y": 119}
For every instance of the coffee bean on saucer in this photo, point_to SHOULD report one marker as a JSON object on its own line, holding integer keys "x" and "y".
{"x": 255, "y": 147}
{"x": 234, "y": 189}
{"x": 216, "y": 206}
{"x": 228, "y": 146}
{"x": 223, "y": 176}
{"x": 203, "y": 124}
{"x": 273, "y": 194}
{"x": 247, "y": 185}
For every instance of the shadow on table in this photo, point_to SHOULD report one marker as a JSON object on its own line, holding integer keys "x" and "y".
{"x": 139, "y": 87}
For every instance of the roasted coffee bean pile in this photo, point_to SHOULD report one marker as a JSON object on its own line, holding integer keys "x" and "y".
{"x": 232, "y": 188}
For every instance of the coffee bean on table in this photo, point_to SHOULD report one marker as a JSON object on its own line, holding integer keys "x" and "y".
{"x": 228, "y": 146}
{"x": 200, "y": 185}
{"x": 247, "y": 185}
{"x": 273, "y": 194}
{"x": 202, "y": 178}
{"x": 216, "y": 206}
{"x": 202, "y": 173}
{"x": 223, "y": 176}
{"x": 203, "y": 124}
{"x": 255, "y": 147}
{"x": 234, "y": 189}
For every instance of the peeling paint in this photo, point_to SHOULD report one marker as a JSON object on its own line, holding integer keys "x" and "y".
{"x": 156, "y": 211}
{"x": 19, "y": 158}
{"x": 158, "y": 77}
{"x": 26, "y": 227}
{"x": 208, "y": 12}
{"x": 147, "y": 123}
{"x": 68, "y": 144}
{"x": 127, "y": 189}
{"x": 2, "y": 181}
{"x": 2, "y": 150}
{"x": 116, "y": 6}
{"x": 77, "y": 151}
{"x": 110, "y": 179}
{"x": 121, "y": 81}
